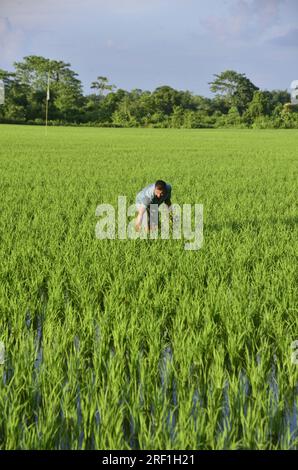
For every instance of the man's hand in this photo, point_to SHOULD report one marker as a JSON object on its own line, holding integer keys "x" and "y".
{"x": 152, "y": 228}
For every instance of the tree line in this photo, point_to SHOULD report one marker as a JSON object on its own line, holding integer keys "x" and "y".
{"x": 236, "y": 102}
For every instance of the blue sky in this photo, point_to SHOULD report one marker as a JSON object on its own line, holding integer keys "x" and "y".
{"x": 149, "y": 43}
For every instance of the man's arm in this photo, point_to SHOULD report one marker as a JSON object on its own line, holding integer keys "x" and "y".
{"x": 168, "y": 203}
{"x": 139, "y": 218}
{"x": 168, "y": 199}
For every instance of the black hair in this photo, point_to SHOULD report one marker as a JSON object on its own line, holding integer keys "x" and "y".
{"x": 160, "y": 184}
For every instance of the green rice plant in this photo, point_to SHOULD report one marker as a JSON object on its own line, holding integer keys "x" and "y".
{"x": 140, "y": 344}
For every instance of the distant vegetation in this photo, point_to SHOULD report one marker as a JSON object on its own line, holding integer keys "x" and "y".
{"x": 237, "y": 101}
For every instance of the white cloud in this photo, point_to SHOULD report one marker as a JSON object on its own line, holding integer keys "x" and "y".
{"x": 246, "y": 20}
{"x": 288, "y": 39}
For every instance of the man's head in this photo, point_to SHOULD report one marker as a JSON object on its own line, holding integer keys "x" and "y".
{"x": 160, "y": 188}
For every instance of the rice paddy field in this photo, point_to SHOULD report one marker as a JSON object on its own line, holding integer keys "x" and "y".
{"x": 140, "y": 344}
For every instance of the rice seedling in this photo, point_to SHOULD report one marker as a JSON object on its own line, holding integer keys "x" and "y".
{"x": 139, "y": 344}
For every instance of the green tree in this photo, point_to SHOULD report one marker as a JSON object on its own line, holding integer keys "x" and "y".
{"x": 233, "y": 117}
{"x": 66, "y": 96}
{"x": 164, "y": 99}
{"x": 109, "y": 105}
{"x": 236, "y": 89}
{"x": 259, "y": 106}
{"x": 15, "y": 105}
{"x": 101, "y": 85}
{"x": 177, "y": 117}
{"x": 279, "y": 97}
{"x": 122, "y": 116}
{"x": 140, "y": 106}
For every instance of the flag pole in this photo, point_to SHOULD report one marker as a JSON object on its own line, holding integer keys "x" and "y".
{"x": 47, "y": 102}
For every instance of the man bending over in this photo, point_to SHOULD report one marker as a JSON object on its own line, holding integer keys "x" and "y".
{"x": 152, "y": 195}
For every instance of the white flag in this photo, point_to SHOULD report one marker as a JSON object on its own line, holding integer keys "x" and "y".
{"x": 2, "y": 353}
{"x": 294, "y": 92}
{"x": 48, "y": 89}
{"x": 2, "y": 94}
